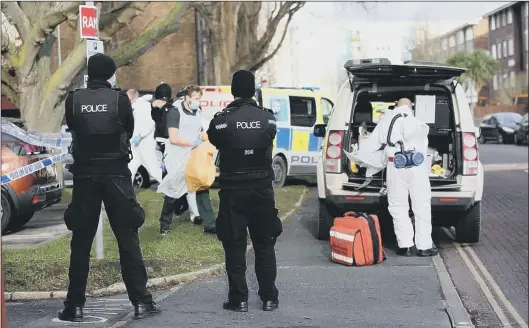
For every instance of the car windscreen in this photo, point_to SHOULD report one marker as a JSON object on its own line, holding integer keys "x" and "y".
{"x": 509, "y": 118}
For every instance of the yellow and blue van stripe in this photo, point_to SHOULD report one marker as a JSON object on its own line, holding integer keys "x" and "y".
{"x": 299, "y": 141}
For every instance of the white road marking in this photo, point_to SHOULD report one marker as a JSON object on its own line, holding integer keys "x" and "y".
{"x": 526, "y": 171}
{"x": 94, "y": 318}
{"x": 103, "y": 309}
{"x": 483, "y": 286}
{"x": 505, "y": 167}
{"x": 497, "y": 289}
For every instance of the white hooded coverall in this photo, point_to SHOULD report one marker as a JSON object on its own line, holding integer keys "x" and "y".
{"x": 404, "y": 182}
{"x": 145, "y": 152}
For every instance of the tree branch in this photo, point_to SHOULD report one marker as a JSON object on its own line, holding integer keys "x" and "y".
{"x": 17, "y": 18}
{"x": 169, "y": 24}
{"x": 9, "y": 78}
{"x": 9, "y": 91}
{"x": 256, "y": 57}
{"x": 40, "y": 31}
{"x": 127, "y": 15}
{"x": 205, "y": 10}
{"x": 260, "y": 62}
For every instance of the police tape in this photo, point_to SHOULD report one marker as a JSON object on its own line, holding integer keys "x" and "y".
{"x": 51, "y": 140}
{"x": 33, "y": 167}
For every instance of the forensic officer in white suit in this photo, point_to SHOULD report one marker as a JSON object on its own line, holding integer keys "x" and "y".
{"x": 142, "y": 142}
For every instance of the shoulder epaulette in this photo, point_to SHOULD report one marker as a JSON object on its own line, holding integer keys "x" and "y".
{"x": 268, "y": 110}
{"x": 222, "y": 112}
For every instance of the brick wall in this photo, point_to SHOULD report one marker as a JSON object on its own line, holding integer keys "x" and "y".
{"x": 482, "y": 111}
{"x": 172, "y": 61}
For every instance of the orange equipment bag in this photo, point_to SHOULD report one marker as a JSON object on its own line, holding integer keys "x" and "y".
{"x": 356, "y": 239}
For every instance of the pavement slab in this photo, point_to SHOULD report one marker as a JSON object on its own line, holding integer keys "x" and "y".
{"x": 314, "y": 292}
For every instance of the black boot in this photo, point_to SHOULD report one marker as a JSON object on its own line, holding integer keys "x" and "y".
{"x": 406, "y": 251}
{"x": 71, "y": 313}
{"x": 142, "y": 310}
{"x": 210, "y": 231}
{"x": 270, "y": 305}
{"x": 235, "y": 306}
{"x": 428, "y": 252}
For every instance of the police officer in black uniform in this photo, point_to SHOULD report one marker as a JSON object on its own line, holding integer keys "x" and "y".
{"x": 244, "y": 133}
{"x": 101, "y": 122}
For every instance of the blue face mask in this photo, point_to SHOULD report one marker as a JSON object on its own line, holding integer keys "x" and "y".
{"x": 194, "y": 105}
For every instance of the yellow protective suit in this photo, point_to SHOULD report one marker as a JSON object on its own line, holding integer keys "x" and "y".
{"x": 200, "y": 169}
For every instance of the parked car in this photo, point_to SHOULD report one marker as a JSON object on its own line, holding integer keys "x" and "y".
{"x": 499, "y": 127}
{"x": 521, "y": 133}
{"x": 456, "y": 196}
{"x": 142, "y": 179}
{"x": 21, "y": 198}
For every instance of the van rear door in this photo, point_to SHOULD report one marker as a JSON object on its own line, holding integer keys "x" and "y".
{"x": 402, "y": 74}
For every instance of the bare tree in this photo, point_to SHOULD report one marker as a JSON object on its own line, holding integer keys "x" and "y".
{"x": 423, "y": 44}
{"x": 512, "y": 88}
{"x": 234, "y": 39}
{"x": 27, "y": 40}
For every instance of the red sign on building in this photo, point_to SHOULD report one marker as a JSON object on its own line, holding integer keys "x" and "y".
{"x": 89, "y": 26}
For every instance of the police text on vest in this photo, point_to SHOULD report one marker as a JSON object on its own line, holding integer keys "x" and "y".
{"x": 249, "y": 125}
{"x": 102, "y": 108}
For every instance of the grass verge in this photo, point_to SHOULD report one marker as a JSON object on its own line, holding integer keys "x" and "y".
{"x": 66, "y": 196}
{"x": 185, "y": 249}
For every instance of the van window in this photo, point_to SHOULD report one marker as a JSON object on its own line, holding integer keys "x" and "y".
{"x": 302, "y": 111}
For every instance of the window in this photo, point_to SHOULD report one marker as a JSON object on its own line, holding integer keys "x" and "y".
{"x": 504, "y": 48}
{"x": 511, "y": 47}
{"x": 444, "y": 44}
{"x": 512, "y": 76}
{"x": 492, "y": 23}
{"x": 509, "y": 16}
{"x": 499, "y": 50}
{"x": 302, "y": 111}
{"x": 326, "y": 106}
{"x": 503, "y": 19}
{"x": 495, "y": 82}
{"x": 493, "y": 51}
{"x": 460, "y": 37}
{"x": 527, "y": 9}
{"x": 526, "y": 41}
{"x": 469, "y": 34}
{"x": 452, "y": 41}
{"x": 505, "y": 81}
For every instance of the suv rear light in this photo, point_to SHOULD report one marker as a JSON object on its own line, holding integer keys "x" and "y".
{"x": 470, "y": 154}
{"x": 333, "y": 154}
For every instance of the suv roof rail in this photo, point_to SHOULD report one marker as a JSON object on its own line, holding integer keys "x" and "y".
{"x": 366, "y": 61}
{"x": 422, "y": 62}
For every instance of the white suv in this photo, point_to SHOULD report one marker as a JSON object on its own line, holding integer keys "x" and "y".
{"x": 456, "y": 196}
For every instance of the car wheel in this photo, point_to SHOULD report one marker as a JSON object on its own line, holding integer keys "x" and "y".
{"x": 325, "y": 221}
{"x": 469, "y": 225}
{"x": 20, "y": 221}
{"x": 501, "y": 139}
{"x": 280, "y": 172}
{"x": 7, "y": 210}
{"x": 481, "y": 139}
{"x": 142, "y": 179}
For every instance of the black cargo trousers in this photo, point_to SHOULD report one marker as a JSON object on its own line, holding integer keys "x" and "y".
{"x": 125, "y": 216}
{"x": 253, "y": 209}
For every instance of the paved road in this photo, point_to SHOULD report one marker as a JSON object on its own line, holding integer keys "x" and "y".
{"x": 497, "y": 266}
{"x": 46, "y": 225}
{"x": 402, "y": 292}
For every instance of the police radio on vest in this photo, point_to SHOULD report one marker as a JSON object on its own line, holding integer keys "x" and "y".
{"x": 249, "y": 125}
{"x": 102, "y": 108}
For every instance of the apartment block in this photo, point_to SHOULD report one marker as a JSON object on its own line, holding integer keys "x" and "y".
{"x": 509, "y": 45}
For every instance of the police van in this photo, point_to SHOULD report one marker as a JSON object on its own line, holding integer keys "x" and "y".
{"x": 297, "y": 111}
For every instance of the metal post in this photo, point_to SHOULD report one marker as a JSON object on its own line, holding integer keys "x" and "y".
{"x": 59, "y": 52}
{"x": 99, "y": 238}
{"x": 99, "y": 234}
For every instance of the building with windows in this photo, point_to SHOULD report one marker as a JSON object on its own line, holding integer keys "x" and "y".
{"x": 509, "y": 46}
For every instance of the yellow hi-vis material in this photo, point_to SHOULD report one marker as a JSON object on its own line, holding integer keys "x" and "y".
{"x": 200, "y": 168}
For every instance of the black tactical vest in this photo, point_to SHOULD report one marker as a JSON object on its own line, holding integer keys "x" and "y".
{"x": 250, "y": 148}
{"x": 97, "y": 133}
